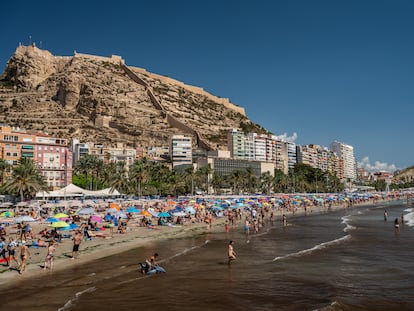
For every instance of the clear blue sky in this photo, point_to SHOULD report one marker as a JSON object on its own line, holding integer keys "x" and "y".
{"x": 319, "y": 70}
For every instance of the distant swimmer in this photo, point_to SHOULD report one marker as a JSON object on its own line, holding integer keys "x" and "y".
{"x": 385, "y": 215}
{"x": 396, "y": 225}
{"x": 231, "y": 252}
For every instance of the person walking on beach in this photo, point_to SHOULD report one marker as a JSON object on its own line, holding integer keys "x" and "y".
{"x": 231, "y": 253}
{"x": 24, "y": 255}
{"x": 11, "y": 247}
{"x": 385, "y": 215}
{"x": 226, "y": 226}
{"x": 247, "y": 226}
{"x": 77, "y": 239}
{"x": 284, "y": 219}
{"x": 50, "y": 256}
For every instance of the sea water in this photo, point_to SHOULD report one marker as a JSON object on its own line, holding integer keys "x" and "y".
{"x": 350, "y": 259}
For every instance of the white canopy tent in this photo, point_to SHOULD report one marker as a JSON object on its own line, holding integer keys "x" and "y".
{"x": 74, "y": 191}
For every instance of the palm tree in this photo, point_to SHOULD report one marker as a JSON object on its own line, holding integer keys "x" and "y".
{"x": 250, "y": 180}
{"x": 281, "y": 181}
{"x": 83, "y": 167}
{"x": 120, "y": 180}
{"x": 204, "y": 173}
{"x": 236, "y": 179}
{"x": 176, "y": 182}
{"x": 191, "y": 174}
{"x": 139, "y": 172}
{"x": 216, "y": 181}
{"x": 108, "y": 170}
{"x": 266, "y": 182}
{"x": 4, "y": 167}
{"x": 25, "y": 180}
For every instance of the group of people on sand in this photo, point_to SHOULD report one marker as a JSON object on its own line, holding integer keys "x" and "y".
{"x": 11, "y": 248}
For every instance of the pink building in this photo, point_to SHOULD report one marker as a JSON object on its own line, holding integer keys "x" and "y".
{"x": 54, "y": 159}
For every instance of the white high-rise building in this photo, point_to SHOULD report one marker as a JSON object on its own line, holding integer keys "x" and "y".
{"x": 181, "y": 150}
{"x": 236, "y": 143}
{"x": 346, "y": 155}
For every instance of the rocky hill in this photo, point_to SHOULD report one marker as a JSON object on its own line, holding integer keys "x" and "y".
{"x": 405, "y": 175}
{"x": 100, "y": 99}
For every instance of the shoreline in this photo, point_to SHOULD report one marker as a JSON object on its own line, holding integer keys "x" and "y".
{"x": 135, "y": 237}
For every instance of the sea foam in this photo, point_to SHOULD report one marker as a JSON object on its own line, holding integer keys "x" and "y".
{"x": 71, "y": 302}
{"x": 315, "y": 248}
{"x": 409, "y": 219}
{"x": 345, "y": 221}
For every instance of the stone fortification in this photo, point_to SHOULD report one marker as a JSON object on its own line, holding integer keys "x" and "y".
{"x": 114, "y": 59}
{"x": 194, "y": 89}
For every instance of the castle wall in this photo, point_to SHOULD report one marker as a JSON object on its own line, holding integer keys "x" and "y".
{"x": 195, "y": 89}
{"x": 115, "y": 59}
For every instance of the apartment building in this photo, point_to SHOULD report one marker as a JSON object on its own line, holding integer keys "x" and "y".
{"x": 181, "y": 151}
{"x": 347, "y": 163}
{"x": 54, "y": 160}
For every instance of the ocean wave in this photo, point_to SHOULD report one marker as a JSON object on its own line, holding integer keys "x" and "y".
{"x": 332, "y": 307}
{"x": 409, "y": 219}
{"x": 408, "y": 210}
{"x": 185, "y": 251}
{"x": 315, "y": 248}
{"x": 345, "y": 221}
{"x": 70, "y": 302}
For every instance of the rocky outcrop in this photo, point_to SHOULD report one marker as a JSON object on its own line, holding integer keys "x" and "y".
{"x": 100, "y": 99}
{"x": 30, "y": 66}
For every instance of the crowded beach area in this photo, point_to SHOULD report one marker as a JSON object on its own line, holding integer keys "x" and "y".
{"x": 43, "y": 236}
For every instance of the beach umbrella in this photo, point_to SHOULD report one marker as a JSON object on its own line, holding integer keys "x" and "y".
{"x": 59, "y": 224}
{"x": 61, "y": 215}
{"x": 132, "y": 209}
{"x": 190, "y": 209}
{"x": 86, "y": 211}
{"x": 121, "y": 214}
{"x": 145, "y": 213}
{"x": 24, "y": 219}
{"x": 96, "y": 218}
{"x": 114, "y": 206}
{"x": 52, "y": 219}
{"x": 182, "y": 214}
{"x": 164, "y": 214}
{"x": 70, "y": 227}
{"x": 7, "y": 214}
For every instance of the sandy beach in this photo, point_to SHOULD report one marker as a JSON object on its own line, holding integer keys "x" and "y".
{"x": 134, "y": 237}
